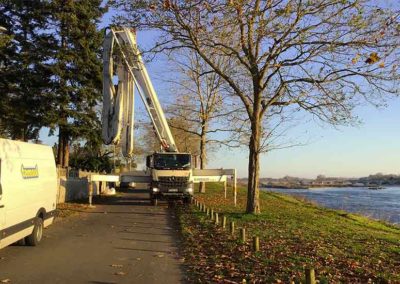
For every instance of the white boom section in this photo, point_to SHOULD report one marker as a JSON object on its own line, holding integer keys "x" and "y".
{"x": 133, "y": 69}
{"x": 118, "y": 105}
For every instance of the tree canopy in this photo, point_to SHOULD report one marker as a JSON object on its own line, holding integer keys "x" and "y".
{"x": 321, "y": 57}
{"x": 51, "y": 70}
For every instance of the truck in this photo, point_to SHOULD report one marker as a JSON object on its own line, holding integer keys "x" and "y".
{"x": 169, "y": 173}
{"x": 170, "y": 176}
{"x": 168, "y": 170}
{"x": 28, "y": 191}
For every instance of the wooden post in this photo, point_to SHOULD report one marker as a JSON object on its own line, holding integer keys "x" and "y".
{"x": 256, "y": 244}
{"x": 212, "y": 214}
{"x": 310, "y": 276}
{"x": 225, "y": 189}
{"x": 224, "y": 222}
{"x": 232, "y": 228}
{"x": 90, "y": 189}
{"x": 208, "y": 211}
{"x": 243, "y": 235}
{"x": 234, "y": 188}
{"x": 216, "y": 219}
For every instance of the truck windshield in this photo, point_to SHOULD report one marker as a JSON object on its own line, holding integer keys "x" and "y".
{"x": 172, "y": 161}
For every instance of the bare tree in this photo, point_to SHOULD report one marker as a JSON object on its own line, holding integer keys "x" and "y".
{"x": 146, "y": 139}
{"x": 199, "y": 101}
{"x": 323, "y": 57}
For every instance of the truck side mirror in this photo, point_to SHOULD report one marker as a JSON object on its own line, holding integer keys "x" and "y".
{"x": 149, "y": 161}
{"x": 195, "y": 161}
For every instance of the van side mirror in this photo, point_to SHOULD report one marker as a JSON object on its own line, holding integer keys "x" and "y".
{"x": 149, "y": 161}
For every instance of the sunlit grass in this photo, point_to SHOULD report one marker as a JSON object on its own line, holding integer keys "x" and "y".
{"x": 334, "y": 241}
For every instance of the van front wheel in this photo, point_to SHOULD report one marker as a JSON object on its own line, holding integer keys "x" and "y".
{"x": 37, "y": 234}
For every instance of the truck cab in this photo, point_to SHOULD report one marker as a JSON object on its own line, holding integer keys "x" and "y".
{"x": 171, "y": 176}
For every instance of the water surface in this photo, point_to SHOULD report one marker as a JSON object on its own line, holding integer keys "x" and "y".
{"x": 381, "y": 204}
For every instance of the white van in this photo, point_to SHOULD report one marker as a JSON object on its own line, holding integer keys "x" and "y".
{"x": 28, "y": 191}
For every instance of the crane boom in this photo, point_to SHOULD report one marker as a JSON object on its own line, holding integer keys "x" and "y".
{"x": 131, "y": 63}
{"x": 170, "y": 175}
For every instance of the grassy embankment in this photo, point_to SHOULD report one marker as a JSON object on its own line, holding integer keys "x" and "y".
{"x": 342, "y": 247}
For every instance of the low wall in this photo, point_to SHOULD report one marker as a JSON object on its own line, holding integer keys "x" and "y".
{"x": 74, "y": 188}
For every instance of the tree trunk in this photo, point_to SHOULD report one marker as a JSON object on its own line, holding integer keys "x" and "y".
{"x": 253, "y": 202}
{"x": 60, "y": 147}
{"x": 65, "y": 163}
{"x": 203, "y": 154}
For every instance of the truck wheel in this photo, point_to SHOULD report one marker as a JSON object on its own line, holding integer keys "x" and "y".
{"x": 171, "y": 203}
{"x": 37, "y": 234}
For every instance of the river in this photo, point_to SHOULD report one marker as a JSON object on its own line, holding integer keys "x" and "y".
{"x": 381, "y": 204}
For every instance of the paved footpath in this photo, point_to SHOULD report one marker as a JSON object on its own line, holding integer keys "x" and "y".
{"x": 124, "y": 240}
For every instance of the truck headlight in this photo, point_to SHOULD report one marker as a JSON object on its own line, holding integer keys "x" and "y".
{"x": 190, "y": 188}
{"x": 155, "y": 189}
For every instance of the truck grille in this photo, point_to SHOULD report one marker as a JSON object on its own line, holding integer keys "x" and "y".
{"x": 173, "y": 182}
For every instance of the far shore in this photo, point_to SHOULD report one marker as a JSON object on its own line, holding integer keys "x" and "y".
{"x": 369, "y": 187}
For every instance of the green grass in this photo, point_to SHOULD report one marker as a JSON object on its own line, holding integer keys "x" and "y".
{"x": 342, "y": 247}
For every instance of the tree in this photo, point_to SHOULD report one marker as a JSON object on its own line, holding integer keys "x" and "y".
{"x": 199, "y": 104}
{"x": 184, "y": 134}
{"x": 322, "y": 57}
{"x": 90, "y": 158}
{"x": 76, "y": 71}
{"x": 24, "y": 76}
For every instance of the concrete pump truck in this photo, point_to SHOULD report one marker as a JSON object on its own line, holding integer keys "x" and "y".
{"x": 169, "y": 173}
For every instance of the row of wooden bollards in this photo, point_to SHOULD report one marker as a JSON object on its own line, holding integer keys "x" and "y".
{"x": 216, "y": 219}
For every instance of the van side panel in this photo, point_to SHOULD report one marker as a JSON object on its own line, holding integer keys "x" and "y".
{"x": 29, "y": 183}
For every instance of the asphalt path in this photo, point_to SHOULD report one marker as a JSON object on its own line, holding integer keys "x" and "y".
{"x": 122, "y": 240}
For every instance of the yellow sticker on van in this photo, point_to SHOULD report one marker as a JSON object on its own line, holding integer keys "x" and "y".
{"x": 29, "y": 172}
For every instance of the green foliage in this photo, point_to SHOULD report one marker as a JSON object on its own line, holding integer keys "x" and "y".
{"x": 24, "y": 76}
{"x": 51, "y": 68}
{"x": 76, "y": 71}
{"x": 91, "y": 159}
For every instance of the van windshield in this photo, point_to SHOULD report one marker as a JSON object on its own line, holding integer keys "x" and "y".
{"x": 172, "y": 161}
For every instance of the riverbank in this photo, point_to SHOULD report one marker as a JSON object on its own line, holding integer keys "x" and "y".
{"x": 296, "y": 186}
{"x": 383, "y": 204}
{"x": 342, "y": 247}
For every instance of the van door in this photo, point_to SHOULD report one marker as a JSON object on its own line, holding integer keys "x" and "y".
{"x": 2, "y": 209}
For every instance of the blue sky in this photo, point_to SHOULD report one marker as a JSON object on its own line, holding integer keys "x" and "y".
{"x": 372, "y": 147}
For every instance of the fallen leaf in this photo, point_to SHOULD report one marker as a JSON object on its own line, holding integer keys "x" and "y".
{"x": 121, "y": 273}
{"x": 116, "y": 265}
